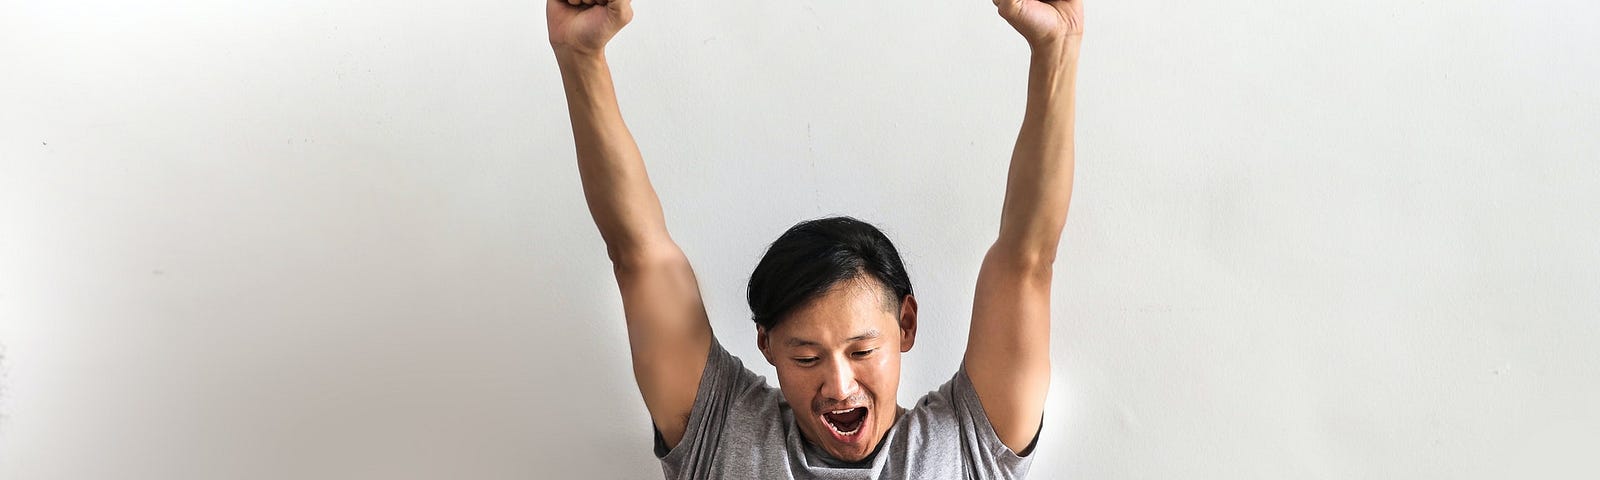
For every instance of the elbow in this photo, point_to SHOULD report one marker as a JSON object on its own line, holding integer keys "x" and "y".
{"x": 635, "y": 258}
{"x": 1028, "y": 246}
{"x": 622, "y": 256}
{"x": 1030, "y": 262}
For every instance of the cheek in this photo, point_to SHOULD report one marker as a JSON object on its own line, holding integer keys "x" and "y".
{"x": 881, "y": 373}
{"x": 797, "y": 386}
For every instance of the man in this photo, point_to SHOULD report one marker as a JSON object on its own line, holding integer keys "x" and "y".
{"x": 831, "y": 300}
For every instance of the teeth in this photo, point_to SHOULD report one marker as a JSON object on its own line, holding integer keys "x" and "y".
{"x": 849, "y": 433}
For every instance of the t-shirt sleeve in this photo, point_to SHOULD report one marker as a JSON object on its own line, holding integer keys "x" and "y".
{"x": 988, "y": 456}
{"x": 723, "y": 383}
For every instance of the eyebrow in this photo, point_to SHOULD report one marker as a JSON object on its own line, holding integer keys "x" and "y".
{"x": 867, "y": 335}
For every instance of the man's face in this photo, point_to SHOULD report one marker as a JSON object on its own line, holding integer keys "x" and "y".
{"x": 838, "y": 362}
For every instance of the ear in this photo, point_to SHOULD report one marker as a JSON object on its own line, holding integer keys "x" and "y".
{"x": 908, "y": 323}
{"x": 762, "y": 342}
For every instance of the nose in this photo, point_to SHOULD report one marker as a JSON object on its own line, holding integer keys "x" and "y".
{"x": 840, "y": 384}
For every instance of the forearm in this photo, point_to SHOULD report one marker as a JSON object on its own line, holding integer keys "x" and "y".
{"x": 615, "y": 184}
{"x": 1039, "y": 184}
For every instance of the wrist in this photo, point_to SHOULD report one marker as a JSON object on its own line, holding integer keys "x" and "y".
{"x": 573, "y": 56}
{"x": 1063, "y": 49}
{"x": 1053, "y": 70}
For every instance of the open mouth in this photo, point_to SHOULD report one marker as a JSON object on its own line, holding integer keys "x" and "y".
{"x": 846, "y": 424}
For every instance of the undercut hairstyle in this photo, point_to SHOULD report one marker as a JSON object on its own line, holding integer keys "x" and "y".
{"x": 813, "y": 256}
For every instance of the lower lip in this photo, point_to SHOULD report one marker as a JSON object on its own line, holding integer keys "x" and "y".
{"x": 852, "y": 438}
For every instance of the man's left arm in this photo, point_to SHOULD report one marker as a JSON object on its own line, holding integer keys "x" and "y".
{"x": 1008, "y": 346}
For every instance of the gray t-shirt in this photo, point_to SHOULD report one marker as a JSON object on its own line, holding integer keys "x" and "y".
{"x": 741, "y": 428}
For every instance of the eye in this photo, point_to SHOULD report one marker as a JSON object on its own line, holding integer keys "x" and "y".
{"x": 806, "y": 362}
{"x": 864, "y": 353}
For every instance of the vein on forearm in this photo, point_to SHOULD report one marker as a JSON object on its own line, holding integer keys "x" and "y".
{"x": 1039, "y": 184}
{"x": 615, "y": 183}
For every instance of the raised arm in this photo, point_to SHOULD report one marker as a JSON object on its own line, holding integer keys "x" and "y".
{"x": 668, "y": 332}
{"x": 1008, "y": 347}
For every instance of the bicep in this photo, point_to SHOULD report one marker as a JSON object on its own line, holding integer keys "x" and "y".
{"x": 1008, "y": 346}
{"x": 669, "y": 334}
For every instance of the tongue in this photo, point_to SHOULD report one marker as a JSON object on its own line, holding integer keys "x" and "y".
{"x": 847, "y": 418}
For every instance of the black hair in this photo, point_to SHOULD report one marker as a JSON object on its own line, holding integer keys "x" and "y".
{"x": 814, "y": 255}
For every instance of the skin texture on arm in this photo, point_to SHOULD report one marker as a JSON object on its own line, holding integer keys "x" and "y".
{"x": 1008, "y": 346}
{"x": 668, "y": 331}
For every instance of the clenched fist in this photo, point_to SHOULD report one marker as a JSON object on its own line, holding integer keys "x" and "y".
{"x": 1043, "y": 22}
{"x": 584, "y": 26}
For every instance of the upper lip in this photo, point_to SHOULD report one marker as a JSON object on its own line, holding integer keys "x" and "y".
{"x": 843, "y": 410}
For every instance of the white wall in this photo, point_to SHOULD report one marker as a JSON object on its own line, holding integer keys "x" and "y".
{"x": 346, "y": 240}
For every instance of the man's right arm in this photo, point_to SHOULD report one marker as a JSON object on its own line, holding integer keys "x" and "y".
{"x": 668, "y": 332}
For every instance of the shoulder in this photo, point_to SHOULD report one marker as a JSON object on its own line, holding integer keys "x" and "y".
{"x": 727, "y": 376}
{"x": 951, "y": 418}
{"x": 729, "y": 399}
